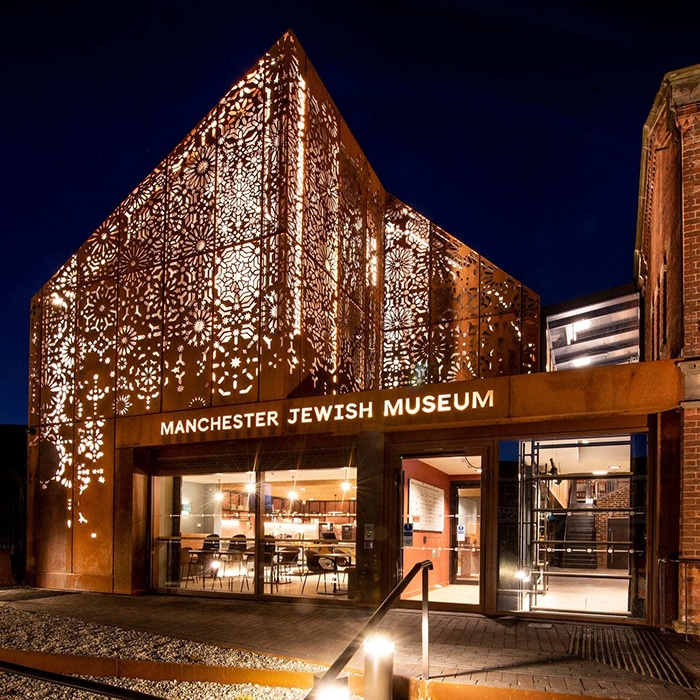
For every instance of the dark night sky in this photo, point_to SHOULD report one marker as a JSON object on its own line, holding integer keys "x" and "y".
{"x": 516, "y": 126}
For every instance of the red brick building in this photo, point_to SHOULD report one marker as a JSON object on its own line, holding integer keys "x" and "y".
{"x": 668, "y": 273}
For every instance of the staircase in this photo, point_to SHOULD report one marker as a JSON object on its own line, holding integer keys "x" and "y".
{"x": 579, "y": 537}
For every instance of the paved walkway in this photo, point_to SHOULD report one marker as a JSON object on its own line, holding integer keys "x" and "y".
{"x": 464, "y": 649}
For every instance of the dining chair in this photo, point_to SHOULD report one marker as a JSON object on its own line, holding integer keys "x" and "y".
{"x": 211, "y": 542}
{"x": 248, "y": 567}
{"x": 238, "y": 543}
{"x": 189, "y": 567}
{"x": 287, "y": 561}
{"x": 209, "y": 560}
{"x": 346, "y": 552}
{"x": 317, "y": 565}
{"x": 270, "y": 561}
{"x": 343, "y": 562}
{"x": 234, "y": 559}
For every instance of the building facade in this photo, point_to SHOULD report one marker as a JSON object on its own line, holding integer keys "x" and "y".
{"x": 667, "y": 259}
{"x": 264, "y": 376}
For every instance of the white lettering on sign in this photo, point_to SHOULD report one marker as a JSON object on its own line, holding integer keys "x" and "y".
{"x": 352, "y": 410}
{"x": 333, "y": 412}
{"x": 259, "y": 419}
{"x": 442, "y": 403}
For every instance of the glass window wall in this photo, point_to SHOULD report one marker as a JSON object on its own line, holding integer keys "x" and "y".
{"x": 572, "y": 525}
{"x": 205, "y": 532}
{"x": 282, "y": 532}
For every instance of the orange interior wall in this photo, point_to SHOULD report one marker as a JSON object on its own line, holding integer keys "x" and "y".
{"x": 425, "y": 542}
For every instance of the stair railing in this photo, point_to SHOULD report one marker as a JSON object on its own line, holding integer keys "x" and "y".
{"x": 344, "y": 657}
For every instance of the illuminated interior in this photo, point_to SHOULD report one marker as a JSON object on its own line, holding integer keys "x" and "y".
{"x": 579, "y": 540}
{"x": 593, "y": 332}
{"x": 208, "y": 537}
{"x": 442, "y": 505}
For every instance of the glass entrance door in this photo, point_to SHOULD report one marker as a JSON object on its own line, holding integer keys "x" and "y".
{"x": 466, "y": 550}
{"x": 442, "y": 522}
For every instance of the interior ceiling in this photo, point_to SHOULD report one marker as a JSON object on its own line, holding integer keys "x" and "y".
{"x": 604, "y": 333}
{"x": 579, "y": 456}
{"x": 310, "y": 484}
{"x": 454, "y": 465}
{"x": 587, "y": 460}
{"x": 283, "y": 475}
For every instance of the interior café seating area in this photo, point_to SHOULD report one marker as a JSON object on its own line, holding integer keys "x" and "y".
{"x": 288, "y": 533}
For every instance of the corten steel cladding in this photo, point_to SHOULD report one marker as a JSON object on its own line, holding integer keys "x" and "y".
{"x": 261, "y": 260}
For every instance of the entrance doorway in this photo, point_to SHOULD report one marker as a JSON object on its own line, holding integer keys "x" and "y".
{"x": 572, "y": 528}
{"x": 442, "y": 507}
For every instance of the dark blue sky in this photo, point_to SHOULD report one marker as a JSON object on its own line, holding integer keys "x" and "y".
{"x": 516, "y": 126}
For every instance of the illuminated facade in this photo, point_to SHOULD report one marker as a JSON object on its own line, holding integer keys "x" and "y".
{"x": 260, "y": 311}
{"x": 262, "y": 260}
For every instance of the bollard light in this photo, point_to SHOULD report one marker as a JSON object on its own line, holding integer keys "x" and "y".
{"x": 336, "y": 689}
{"x": 379, "y": 668}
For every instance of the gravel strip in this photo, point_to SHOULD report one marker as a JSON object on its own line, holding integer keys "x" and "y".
{"x": 35, "y": 631}
{"x": 23, "y": 629}
{"x": 28, "y": 689}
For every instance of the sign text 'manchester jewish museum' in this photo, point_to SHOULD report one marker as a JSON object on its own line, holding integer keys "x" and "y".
{"x": 448, "y": 404}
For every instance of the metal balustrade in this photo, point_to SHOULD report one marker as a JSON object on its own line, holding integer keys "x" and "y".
{"x": 327, "y": 679}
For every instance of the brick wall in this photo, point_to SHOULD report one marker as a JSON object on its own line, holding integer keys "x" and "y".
{"x": 690, "y": 484}
{"x": 690, "y": 510}
{"x": 668, "y": 256}
{"x": 619, "y": 498}
{"x": 688, "y": 119}
{"x": 659, "y": 239}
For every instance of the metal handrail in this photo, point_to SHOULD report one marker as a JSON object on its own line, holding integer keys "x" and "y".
{"x": 344, "y": 657}
{"x": 681, "y": 561}
{"x": 110, "y": 691}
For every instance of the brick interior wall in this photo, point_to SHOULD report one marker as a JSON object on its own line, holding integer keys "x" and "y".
{"x": 619, "y": 498}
